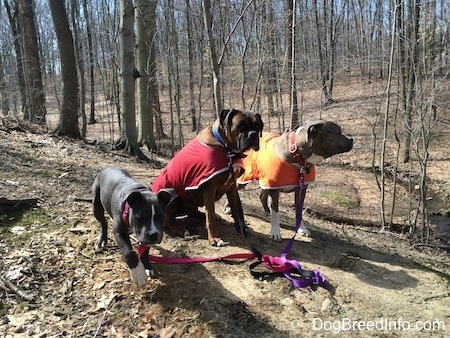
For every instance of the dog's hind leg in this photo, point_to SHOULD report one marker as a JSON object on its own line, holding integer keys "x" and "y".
{"x": 275, "y": 233}
{"x": 99, "y": 213}
{"x": 302, "y": 230}
{"x": 263, "y": 197}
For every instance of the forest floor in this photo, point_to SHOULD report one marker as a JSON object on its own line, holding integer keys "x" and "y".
{"x": 383, "y": 284}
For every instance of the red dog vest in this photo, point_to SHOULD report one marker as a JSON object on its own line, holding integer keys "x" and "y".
{"x": 195, "y": 164}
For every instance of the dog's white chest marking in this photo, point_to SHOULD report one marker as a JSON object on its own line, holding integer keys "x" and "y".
{"x": 314, "y": 159}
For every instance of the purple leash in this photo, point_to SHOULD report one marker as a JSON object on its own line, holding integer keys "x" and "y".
{"x": 292, "y": 269}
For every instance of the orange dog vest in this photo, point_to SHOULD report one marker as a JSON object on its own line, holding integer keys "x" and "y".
{"x": 271, "y": 171}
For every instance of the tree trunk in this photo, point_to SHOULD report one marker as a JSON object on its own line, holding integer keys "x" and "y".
{"x": 217, "y": 91}
{"x": 194, "y": 126}
{"x": 68, "y": 116}
{"x": 321, "y": 53}
{"x": 13, "y": 17}
{"x": 4, "y": 97}
{"x": 87, "y": 19}
{"x": 155, "y": 122}
{"x": 269, "y": 64}
{"x": 35, "y": 111}
{"x": 80, "y": 65}
{"x": 128, "y": 131}
{"x": 410, "y": 63}
{"x": 144, "y": 104}
{"x": 290, "y": 57}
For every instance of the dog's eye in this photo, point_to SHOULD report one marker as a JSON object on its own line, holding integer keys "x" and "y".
{"x": 242, "y": 127}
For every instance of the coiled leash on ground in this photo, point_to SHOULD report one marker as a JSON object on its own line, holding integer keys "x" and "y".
{"x": 290, "y": 268}
{"x": 283, "y": 266}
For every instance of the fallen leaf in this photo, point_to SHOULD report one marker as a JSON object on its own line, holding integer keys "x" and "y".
{"x": 99, "y": 285}
{"x": 105, "y": 301}
{"x": 22, "y": 318}
{"x": 167, "y": 332}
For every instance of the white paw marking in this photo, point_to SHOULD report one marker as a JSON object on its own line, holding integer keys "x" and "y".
{"x": 221, "y": 243}
{"x": 275, "y": 233}
{"x": 303, "y": 230}
{"x": 150, "y": 273}
{"x": 139, "y": 275}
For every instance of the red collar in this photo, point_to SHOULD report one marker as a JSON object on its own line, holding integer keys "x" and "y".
{"x": 294, "y": 151}
{"x": 125, "y": 213}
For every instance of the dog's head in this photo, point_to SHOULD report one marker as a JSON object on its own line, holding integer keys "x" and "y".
{"x": 241, "y": 128}
{"x": 319, "y": 140}
{"x": 146, "y": 214}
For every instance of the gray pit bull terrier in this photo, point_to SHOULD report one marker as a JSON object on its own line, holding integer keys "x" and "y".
{"x": 282, "y": 159}
{"x": 133, "y": 207}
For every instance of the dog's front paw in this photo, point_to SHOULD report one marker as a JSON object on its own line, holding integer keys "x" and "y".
{"x": 275, "y": 234}
{"x": 139, "y": 275}
{"x": 303, "y": 230}
{"x": 150, "y": 273}
{"x": 101, "y": 243}
{"x": 217, "y": 242}
{"x": 227, "y": 210}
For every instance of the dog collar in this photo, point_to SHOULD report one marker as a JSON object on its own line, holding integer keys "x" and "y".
{"x": 230, "y": 153}
{"x": 293, "y": 149}
{"x": 125, "y": 213}
{"x": 219, "y": 138}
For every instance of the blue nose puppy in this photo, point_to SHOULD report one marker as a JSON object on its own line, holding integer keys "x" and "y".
{"x": 134, "y": 208}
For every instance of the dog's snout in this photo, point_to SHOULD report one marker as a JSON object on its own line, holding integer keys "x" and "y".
{"x": 152, "y": 237}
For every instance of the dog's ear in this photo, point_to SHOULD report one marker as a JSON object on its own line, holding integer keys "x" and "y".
{"x": 316, "y": 128}
{"x": 133, "y": 197}
{"x": 260, "y": 123}
{"x": 225, "y": 117}
{"x": 166, "y": 196}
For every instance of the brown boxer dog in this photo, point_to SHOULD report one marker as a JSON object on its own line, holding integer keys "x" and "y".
{"x": 205, "y": 169}
{"x": 283, "y": 159}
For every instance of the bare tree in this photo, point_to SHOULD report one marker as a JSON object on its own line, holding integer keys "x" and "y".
{"x": 128, "y": 75}
{"x": 4, "y": 99}
{"x": 190, "y": 47}
{"x": 290, "y": 60}
{"x": 143, "y": 40}
{"x": 75, "y": 18}
{"x": 68, "y": 116}
{"x": 12, "y": 11}
{"x": 217, "y": 90}
{"x": 409, "y": 59}
{"x": 90, "y": 47}
{"x": 35, "y": 110}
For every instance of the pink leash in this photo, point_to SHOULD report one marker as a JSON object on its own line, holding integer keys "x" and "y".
{"x": 188, "y": 260}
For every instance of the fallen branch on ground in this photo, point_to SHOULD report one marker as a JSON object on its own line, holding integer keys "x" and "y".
{"x": 15, "y": 289}
{"x": 29, "y": 202}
